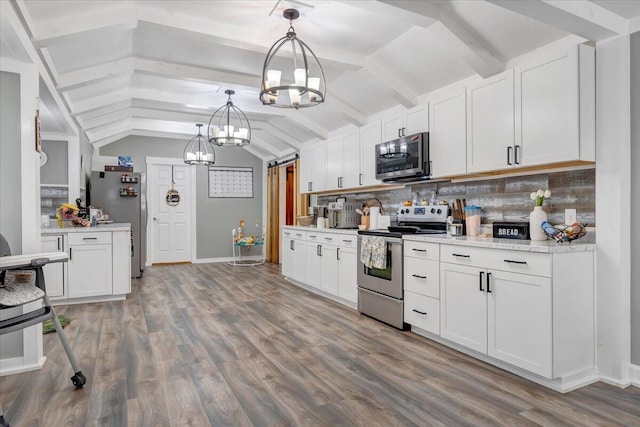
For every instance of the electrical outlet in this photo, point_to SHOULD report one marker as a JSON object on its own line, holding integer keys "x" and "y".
{"x": 570, "y": 216}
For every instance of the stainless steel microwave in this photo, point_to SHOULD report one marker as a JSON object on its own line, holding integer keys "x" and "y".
{"x": 404, "y": 159}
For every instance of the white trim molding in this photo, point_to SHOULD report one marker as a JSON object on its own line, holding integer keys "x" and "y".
{"x": 634, "y": 374}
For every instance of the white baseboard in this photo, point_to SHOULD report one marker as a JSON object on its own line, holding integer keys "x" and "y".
{"x": 16, "y": 365}
{"x": 226, "y": 259}
{"x": 634, "y": 373}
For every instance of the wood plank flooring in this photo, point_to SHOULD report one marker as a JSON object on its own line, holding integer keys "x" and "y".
{"x": 209, "y": 344}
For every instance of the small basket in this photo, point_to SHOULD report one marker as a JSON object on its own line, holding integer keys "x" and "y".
{"x": 564, "y": 233}
{"x": 305, "y": 221}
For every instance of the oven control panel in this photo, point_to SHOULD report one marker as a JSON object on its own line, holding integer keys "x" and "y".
{"x": 423, "y": 213}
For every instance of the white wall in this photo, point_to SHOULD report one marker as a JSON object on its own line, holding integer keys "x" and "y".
{"x": 635, "y": 198}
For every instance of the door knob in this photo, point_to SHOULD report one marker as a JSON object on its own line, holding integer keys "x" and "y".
{"x": 155, "y": 219}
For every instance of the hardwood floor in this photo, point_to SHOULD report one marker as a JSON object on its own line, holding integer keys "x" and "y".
{"x": 210, "y": 344}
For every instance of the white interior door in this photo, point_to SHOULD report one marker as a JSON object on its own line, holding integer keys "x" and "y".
{"x": 170, "y": 226}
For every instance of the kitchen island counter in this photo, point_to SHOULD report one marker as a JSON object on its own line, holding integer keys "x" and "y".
{"x": 586, "y": 244}
{"x": 352, "y": 231}
{"x": 116, "y": 226}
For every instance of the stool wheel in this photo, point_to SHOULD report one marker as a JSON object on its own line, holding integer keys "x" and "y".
{"x": 78, "y": 379}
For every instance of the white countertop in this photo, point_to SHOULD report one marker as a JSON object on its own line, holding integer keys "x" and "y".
{"x": 585, "y": 244}
{"x": 351, "y": 231}
{"x": 116, "y": 226}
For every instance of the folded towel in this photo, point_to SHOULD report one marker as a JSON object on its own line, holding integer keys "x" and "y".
{"x": 373, "y": 252}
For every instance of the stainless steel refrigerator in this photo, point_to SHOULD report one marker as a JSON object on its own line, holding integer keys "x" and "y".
{"x": 123, "y": 196}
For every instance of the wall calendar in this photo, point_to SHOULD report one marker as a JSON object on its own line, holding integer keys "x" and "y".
{"x": 230, "y": 182}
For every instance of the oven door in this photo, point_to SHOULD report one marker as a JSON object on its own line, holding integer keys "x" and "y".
{"x": 386, "y": 281}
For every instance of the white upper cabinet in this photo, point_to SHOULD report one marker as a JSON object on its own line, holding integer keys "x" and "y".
{"x": 370, "y": 136}
{"x": 448, "y": 133}
{"x": 491, "y": 123}
{"x": 412, "y": 121}
{"x": 555, "y": 105}
{"x": 343, "y": 161}
{"x": 313, "y": 167}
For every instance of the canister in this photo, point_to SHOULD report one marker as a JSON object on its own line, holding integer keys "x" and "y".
{"x": 472, "y": 215}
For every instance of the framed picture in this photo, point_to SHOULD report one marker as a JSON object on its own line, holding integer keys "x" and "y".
{"x": 37, "y": 128}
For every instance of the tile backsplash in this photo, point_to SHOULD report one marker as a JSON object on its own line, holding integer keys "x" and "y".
{"x": 501, "y": 199}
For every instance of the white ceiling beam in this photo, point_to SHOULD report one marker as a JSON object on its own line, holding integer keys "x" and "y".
{"x": 107, "y": 109}
{"x": 393, "y": 86}
{"x": 10, "y": 16}
{"x": 345, "y": 110}
{"x": 308, "y": 125}
{"x": 398, "y": 14}
{"x": 55, "y": 31}
{"x": 580, "y": 17}
{"x": 258, "y": 154}
{"x": 112, "y": 129}
{"x": 286, "y": 138}
{"x": 194, "y": 73}
{"x": 94, "y": 74}
{"x": 111, "y": 138}
{"x": 250, "y": 39}
{"x": 273, "y": 150}
{"x": 106, "y": 119}
{"x": 456, "y": 33}
{"x": 100, "y": 101}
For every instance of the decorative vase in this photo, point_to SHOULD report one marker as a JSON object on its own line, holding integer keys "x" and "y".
{"x": 535, "y": 219}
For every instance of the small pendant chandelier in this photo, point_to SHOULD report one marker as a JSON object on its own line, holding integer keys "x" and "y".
{"x": 302, "y": 84}
{"x": 229, "y": 127}
{"x": 198, "y": 150}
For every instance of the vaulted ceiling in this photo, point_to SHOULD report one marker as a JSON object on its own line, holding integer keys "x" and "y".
{"x": 157, "y": 68}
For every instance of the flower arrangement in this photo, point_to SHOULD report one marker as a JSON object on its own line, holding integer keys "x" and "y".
{"x": 539, "y": 196}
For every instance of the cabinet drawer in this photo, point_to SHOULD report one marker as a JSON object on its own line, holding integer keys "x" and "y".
{"x": 422, "y": 250}
{"x": 322, "y": 238}
{"x": 294, "y": 234}
{"x": 498, "y": 259}
{"x": 348, "y": 241}
{"x": 422, "y": 276}
{"x": 422, "y": 312}
{"x": 97, "y": 238}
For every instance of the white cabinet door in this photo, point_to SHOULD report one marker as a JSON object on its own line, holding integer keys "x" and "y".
{"x": 306, "y": 166}
{"x": 287, "y": 257}
{"x": 348, "y": 274}
{"x": 448, "y": 133}
{"x": 90, "y": 270}
{"x": 299, "y": 260}
{"x": 350, "y": 160}
{"x": 334, "y": 163}
{"x": 121, "y": 242}
{"x": 314, "y": 265}
{"x": 329, "y": 263}
{"x": 370, "y": 136}
{"x": 519, "y": 320}
{"x": 490, "y": 123}
{"x": 318, "y": 166}
{"x": 392, "y": 127}
{"x": 463, "y": 306}
{"x": 416, "y": 120}
{"x": 54, "y": 272}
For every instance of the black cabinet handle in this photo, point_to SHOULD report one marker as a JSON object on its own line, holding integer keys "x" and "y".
{"x": 310, "y": 186}
{"x": 291, "y": 245}
{"x": 89, "y": 238}
{"x": 58, "y": 243}
{"x": 347, "y": 241}
{"x": 299, "y": 235}
{"x": 509, "y": 155}
{"x": 70, "y": 257}
{"x": 328, "y": 239}
{"x": 399, "y": 130}
{"x": 360, "y": 179}
{"x": 338, "y": 254}
{"x": 419, "y": 277}
{"x": 481, "y": 276}
{"x": 516, "y": 157}
{"x": 515, "y": 262}
{"x": 461, "y": 255}
{"x": 424, "y": 313}
{"x": 319, "y": 250}
{"x": 312, "y": 236}
{"x": 403, "y": 131}
{"x": 489, "y": 283}
{"x": 419, "y": 250}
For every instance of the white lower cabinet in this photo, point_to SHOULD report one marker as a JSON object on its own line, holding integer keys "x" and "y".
{"x": 422, "y": 286}
{"x": 330, "y": 261}
{"x": 99, "y": 265}
{"x": 54, "y": 273}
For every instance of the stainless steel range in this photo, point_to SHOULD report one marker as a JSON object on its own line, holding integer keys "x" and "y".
{"x": 380, "y": 290}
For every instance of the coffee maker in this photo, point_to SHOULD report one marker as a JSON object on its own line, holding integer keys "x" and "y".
{"x": 342, "y": 214}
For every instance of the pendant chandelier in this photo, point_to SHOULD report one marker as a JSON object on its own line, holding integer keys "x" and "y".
{"x": 229, "y": 127}
{"x": 198, "y": 150}
{"x": 301, "y": 84}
